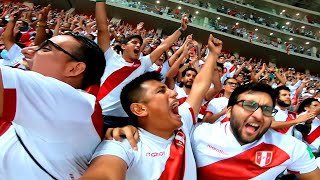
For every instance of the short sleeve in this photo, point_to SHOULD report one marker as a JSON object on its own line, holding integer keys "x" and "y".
{"x": 146, "y": 62}
{"x": 122, "y": 150}
{"x": 108, "y": 55}
{"x": 211, "y": 107}
{"x": 15, "y": 55}
{"x": 303, "y": 159}
{"x": 188, "y": 116}
{"x": 165, "y": 69}
{"x": 45, "y": 105}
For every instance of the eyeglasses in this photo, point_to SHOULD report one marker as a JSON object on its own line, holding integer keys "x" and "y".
{"x": 46, "y": 42}
{"x": 232, "y": 84}
{"x": 253, "y": 106}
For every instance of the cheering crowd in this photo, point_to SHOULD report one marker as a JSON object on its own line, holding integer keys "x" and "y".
{"x": 85, "y": 97}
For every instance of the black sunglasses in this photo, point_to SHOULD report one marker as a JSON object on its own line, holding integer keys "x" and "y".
{"x": 46, "y": 42}
{"x": 253, "y": 106}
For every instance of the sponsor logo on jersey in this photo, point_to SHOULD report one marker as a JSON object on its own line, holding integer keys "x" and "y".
{"x": 216, "y": 149}
{"x": 155, "y": 154}
{"x": 263, "y": 158}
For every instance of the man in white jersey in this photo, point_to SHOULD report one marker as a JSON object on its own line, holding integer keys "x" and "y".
{"x": 245, "y": 147}
{"x": 164, "y": 129}
{"x": 217, "y": 107}
{"x": 48, "y": 124}
{"x": 311, "y": 128}
{"x": 284, "y": 121}
{"x": 120, "y": 70}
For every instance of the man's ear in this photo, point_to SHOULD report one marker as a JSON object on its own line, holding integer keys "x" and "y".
{"x": 123, "y": 46}
{"x": 139, "y": 109}
{"x": 229, "y": 112}
{"x": 75, "y": 68}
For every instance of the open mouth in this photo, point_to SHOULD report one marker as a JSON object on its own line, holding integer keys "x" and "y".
{"x": 136, "y": 51}
{"x": 252, "y": 127}
{"x": 174, "y": 108}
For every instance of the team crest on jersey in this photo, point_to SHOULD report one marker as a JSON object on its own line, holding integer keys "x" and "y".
{"x": 263, "y": 158}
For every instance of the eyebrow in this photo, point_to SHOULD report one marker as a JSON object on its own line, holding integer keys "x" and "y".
{"x": 160, "y": 88}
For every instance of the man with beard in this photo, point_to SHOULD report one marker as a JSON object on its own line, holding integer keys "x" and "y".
{"x": 284, "y": 121}
{"x": 245, "y": 147}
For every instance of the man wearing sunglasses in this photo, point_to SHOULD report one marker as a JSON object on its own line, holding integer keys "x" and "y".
{"x": 217, "y": 107}
{"x": 49, "y": 126}
{"x": 245, "y": 147}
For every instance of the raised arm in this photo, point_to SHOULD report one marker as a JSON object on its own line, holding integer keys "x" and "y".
{"x": 203, "y": 79}
{"x": 286, "y": 124}
{"x": 175, "y": 67}
{"x": 41, "y": 26}
{"x": 102, "y": 26}
{"x": 8, "y": 34}
{"x": 166, "y": 44}
{"x": 257, "y": 76}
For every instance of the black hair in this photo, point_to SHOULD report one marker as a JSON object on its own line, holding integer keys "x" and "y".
{"x": 225, "y": 81}
{"x": 132, "y": 92}
{"x": 305, "y": 103}
{"x": 127, "y": 39}
{"x": 252, "y": 87}
{"x": 188, "y": 69}
{"x": 220, "y": 65}
{"x": 18, "y": 36}
{"x": 93, "y": 57}
{"x": 278, "y": 89}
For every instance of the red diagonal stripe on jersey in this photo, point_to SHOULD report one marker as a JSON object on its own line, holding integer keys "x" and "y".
{"x": 193, "y": 116}
{"x": 115, "y": 79}
{"x": 291, "y": 116}
{"x": 182, "y": 100}
{"x": 175, "y": 165}
{"x": 9, "y": 109}
{"x": 232, "y": 68}
{"x": 242, "y": 166}
{"x": 313, "y": 135}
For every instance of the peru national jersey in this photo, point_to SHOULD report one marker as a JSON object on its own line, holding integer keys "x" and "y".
{"x": 56, "y": 123}
{"x": 216, "y": 105}
{"x": 313, "y": 138}
{"x": 284, "y": 116}
{"x": 116, "y": 75}
{"x": 219, "y": 156}
{"x": 157, "y": 158}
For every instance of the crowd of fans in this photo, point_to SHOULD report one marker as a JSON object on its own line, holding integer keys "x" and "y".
{"x": 235, "y": 29}
{"x": 48, "y": 53}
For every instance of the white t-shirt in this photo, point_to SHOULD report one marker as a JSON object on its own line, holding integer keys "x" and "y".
{"x": 219, "y": 155}
{"x": 283, "y": 116}
{"x": 151, "y": 158}
{"x": 216, "y": 105}
{"x": 116, "y": 75}
{"x": 14, "y": 56}
{"x": 163, "y": 70}
{"x": 45, "y": 114}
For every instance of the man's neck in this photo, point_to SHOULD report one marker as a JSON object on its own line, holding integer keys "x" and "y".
{"x": 127, "y": 58}
{"x": 187, "y": 90}
{"x": 227, "y": 95}
{"x": 282, "y": 108}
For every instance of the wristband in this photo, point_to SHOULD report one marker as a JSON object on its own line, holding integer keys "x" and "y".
{"x": 39, "y": 25}
{"x": 181, "y": 30}
{"x": 100, "y": 0}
